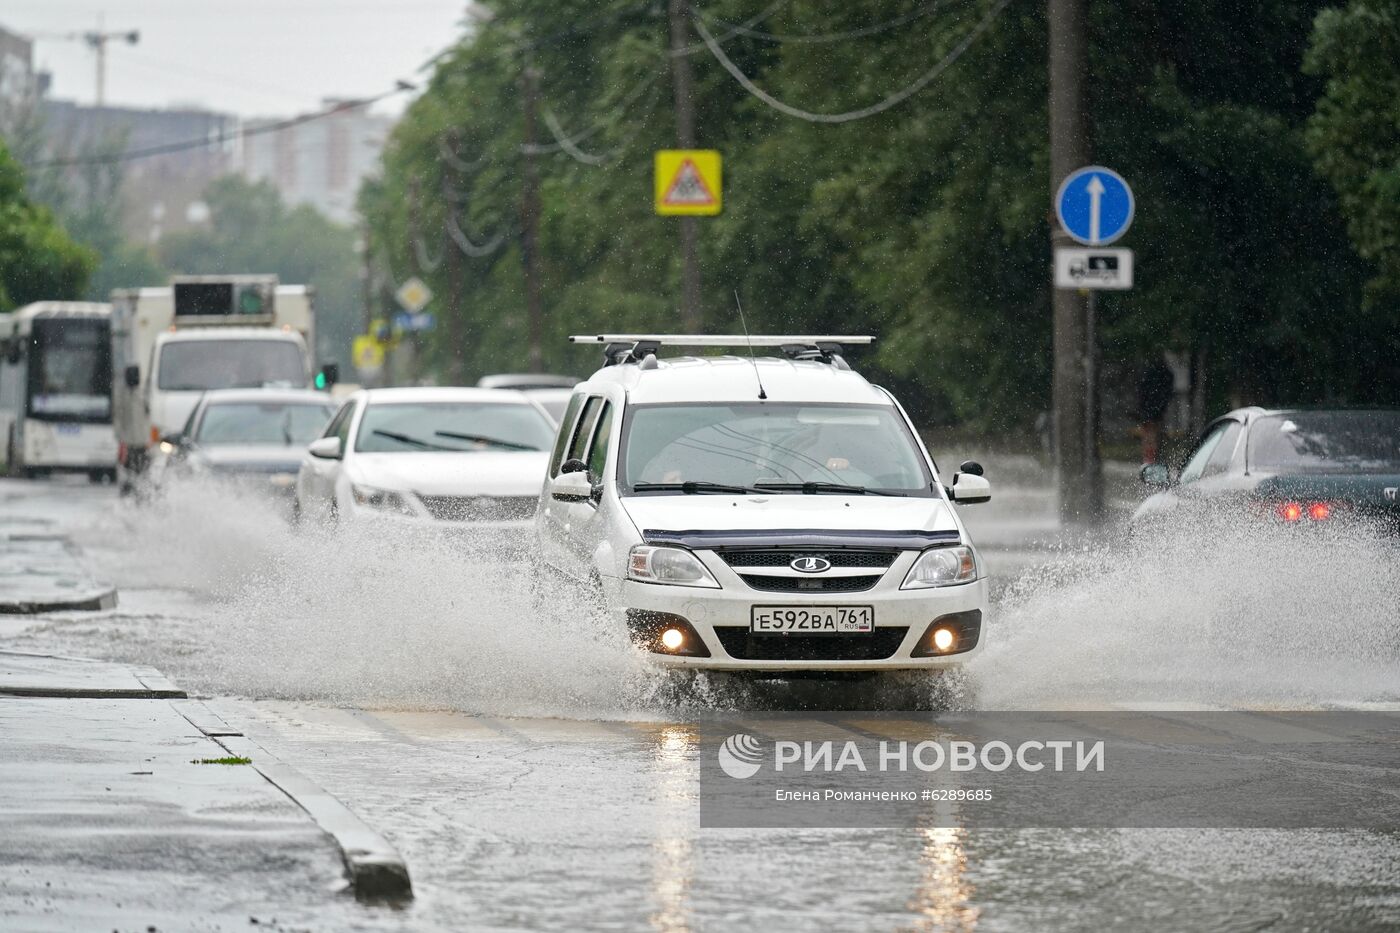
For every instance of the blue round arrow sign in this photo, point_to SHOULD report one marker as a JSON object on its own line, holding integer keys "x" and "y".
{"x": 1094, "y": 205}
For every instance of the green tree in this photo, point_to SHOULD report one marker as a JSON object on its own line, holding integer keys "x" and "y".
{"x": 252, "y": 231}
{"x": 1354, "y": 136}
{"x": 927, "y": 223}
{"x": 38, "y": 259}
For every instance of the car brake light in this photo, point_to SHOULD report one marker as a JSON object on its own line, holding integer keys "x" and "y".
{"x": 1319, "y": 511}
{"x": 1290, "y": 511}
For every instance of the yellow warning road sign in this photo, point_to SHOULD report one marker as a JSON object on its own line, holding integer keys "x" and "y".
{"x": 413, "y": 296}
{"x": 688, "y": 181}
{"x": 368, "y": 353}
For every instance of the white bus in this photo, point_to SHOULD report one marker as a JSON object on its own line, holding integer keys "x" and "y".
{"x": 56, "y": 390}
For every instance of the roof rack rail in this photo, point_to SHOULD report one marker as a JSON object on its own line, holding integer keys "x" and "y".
{"x": 633, "y": 348}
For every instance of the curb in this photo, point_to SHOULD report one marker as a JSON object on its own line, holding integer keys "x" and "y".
{"x": 89, "y": 602}
{"x": 97, "y": 596}
{"x": 154, "y": 685}
{"x": 376, "y": 870}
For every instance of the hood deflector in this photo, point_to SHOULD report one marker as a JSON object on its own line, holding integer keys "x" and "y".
{"x": 801, "y": 538}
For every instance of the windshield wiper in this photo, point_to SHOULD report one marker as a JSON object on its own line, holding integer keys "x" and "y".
{"x": 482, "y": 439}
{"x": 405, "y": 439}
{"x": 814, "y": 488}
{"x": 697, "y": 486}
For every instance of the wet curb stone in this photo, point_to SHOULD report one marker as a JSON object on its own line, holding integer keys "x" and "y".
{"x": 376, "y": 870}
{"x": 44, "y": 573}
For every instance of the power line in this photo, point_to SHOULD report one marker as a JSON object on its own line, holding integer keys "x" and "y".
{"x": 464, "y": 243}
{"x": 742, "y": 29}
{"x": 893, "y": 100}
{"x": 223, "y": 137}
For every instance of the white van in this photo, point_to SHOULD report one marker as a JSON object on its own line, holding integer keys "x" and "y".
{"x": 777, "y": 513}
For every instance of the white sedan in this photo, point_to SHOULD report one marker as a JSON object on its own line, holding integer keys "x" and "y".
{"x": 435, "y": 456}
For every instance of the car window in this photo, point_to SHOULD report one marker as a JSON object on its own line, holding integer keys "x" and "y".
{"x": 1197, "y": 464}
{"x": 579, "y": 446}
{"x": 287, "y": 423}
{"x": 598, "y": 451}
{"x": 1326, "y": 442}
{"x": 341, "y": 420}
{"x": 452, "y": 427}
{"x": 188, "y": 430}
{"x": 561, "y": 441}
{"x": 1224, "y": 451}
{"x": 230, "y": 364}
{"x": 342, "y": 430}
{"x": 777, "y": 444}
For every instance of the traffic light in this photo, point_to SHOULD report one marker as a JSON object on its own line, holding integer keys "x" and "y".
{"x": 321, "y": 379}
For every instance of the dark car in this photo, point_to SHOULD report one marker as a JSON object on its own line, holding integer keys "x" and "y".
{"x": 1296, "y": 467}
{"x": 254, "y": 437}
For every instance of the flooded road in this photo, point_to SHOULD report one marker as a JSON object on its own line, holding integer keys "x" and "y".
{"x": 535, "y": 775}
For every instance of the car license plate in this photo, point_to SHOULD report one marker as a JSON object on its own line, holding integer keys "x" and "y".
{"x": 811, "y": 620}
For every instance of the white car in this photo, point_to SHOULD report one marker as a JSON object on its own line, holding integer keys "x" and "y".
{"x": 435, "y": 456}
{"x": 770, "y": 514}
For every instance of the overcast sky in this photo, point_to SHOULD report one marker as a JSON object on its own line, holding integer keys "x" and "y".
{"x": 250, "y": 57}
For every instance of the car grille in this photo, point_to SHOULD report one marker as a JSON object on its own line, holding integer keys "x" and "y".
{"x": 479, "y": 508}
{"x": 741, "y": 559}
{"x": 810, "y": 584}
{"x": 774, "y": 557}
{"x": 742, "y": 645}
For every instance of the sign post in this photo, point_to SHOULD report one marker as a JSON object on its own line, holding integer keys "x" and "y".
{"x": 1094, "y": 207}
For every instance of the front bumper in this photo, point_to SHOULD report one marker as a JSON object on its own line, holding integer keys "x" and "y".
{"x": 721, "y": 617}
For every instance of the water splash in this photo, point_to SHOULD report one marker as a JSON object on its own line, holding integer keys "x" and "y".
{"x": 1207, "y": 612}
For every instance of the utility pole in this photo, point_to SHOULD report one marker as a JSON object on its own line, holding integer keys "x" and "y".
{"x": 530, "y": 219}
{"x": 451, "y": 313}
{"x": 683, "y": 83}
{"x": 1075, "y": 418}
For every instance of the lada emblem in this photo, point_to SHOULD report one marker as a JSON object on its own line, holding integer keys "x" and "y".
{"x": 810, "y": 564}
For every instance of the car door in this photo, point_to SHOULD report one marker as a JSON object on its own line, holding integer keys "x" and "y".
{"x": 575, "y": 432}
{"x": 584, "y": 525}
{"x": 318, "y": 474}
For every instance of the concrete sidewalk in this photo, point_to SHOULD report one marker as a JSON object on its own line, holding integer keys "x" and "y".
{"x": 126, "y": 812}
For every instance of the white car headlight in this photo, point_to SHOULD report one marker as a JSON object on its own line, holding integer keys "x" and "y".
{"x": 942, "y": 566}
{"x": 671, "y": 565}
{"x": 384, "y": 500}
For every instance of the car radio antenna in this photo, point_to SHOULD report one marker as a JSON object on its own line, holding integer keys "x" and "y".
{"x": 742, "y": 320}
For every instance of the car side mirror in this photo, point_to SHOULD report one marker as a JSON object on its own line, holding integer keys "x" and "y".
{"x": 968, "y": 488}
{"x": 571, "y": 487}
{"x": 971, "y": 466}
{"x": 174, "y": 439}
{"x": 1155, "y": 474}
{"x": 574, "y": 465}
{"x": 132, "y": 376}
{"x": 327, "y": 448}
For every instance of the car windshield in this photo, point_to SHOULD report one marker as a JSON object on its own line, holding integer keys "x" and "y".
{"x": 70, "y": 370}
{"x": 1326, "y": 442}
{"x": 453, "y": 427}
{"x": 771, "y": 446}
{"x": 290, "y": 423}
{"x": 230, "y": 364}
